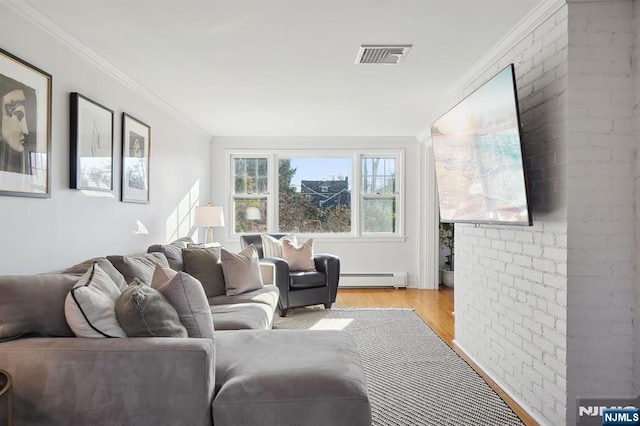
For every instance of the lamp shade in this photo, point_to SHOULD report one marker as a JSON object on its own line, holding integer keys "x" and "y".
{"x": 209, "y": 216}
{"x": 253, "y": 213}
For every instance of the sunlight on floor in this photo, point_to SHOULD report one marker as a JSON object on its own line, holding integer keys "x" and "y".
{"x": 331, "y": 324}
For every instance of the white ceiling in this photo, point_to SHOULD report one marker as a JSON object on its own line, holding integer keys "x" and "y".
{"x": 286, "y": 67}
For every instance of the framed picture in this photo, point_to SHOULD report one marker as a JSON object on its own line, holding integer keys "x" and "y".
{"x": 136, "y": 145}
{"x": 25, "y": 129}
{"x": 91, "y": 139}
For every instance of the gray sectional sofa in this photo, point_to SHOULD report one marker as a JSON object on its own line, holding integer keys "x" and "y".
{"x": 240, "y": 377}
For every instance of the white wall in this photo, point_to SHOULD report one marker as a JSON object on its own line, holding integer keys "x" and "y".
{"x": 548, "y": 310}
{"x": 38, "y": 235}
{"x": 636, "y": 128}
{"x": 356, "y": 254}
{"x": 600, "y": 206}
{"x": 510, "y": 299}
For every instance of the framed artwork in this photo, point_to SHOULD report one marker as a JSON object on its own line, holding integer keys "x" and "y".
{"x": 91, "y": 140}
{"x": 25, "y": 129}
{"x": 136, "y": 145}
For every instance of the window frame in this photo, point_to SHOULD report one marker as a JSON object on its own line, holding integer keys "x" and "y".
{"x": 357, "y": 197}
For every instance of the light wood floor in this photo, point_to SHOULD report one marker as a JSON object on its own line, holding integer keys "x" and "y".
{"x": 435, "y": 307}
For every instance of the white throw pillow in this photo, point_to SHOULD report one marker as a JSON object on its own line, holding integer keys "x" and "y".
{"x": 90, "y": 306}
{"x": 272, "y": 247}
{"x": 187, "y": 296}
{"x": 299, "y": 257}
{"x": 241, "y": 270}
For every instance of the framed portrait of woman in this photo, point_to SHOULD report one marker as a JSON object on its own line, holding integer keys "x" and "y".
{"x": 25, "y": 129}
{"x": 136, "y": 146}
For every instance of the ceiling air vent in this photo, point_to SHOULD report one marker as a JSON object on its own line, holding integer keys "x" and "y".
{"x": 376, "y": 54}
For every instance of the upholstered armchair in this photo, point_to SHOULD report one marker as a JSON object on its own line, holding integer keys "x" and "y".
{"x": 300, "y": 288}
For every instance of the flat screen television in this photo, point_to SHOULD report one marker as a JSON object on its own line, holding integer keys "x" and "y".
{"x": 479, "y": 157}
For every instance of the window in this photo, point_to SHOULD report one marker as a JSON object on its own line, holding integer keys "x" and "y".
{"x": 378, "y": 194}
{"x": 250, "y": 191}
{"x": 352, "y": 194}
{"x": 314, "y": 195}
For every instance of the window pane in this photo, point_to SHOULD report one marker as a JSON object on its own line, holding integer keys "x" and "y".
{"x": 250, "y": 214}
{"x": 379, "y": 215}
{"x": 314, "y": 195}
{"x": 378, "y": 175}
{"x": 250, "y": 175}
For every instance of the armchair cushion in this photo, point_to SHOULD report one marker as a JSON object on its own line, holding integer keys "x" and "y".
{"x": 307, "y": 279}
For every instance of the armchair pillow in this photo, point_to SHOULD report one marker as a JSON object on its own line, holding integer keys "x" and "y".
{"x": 272, "y": 247}
{"x": 90, "y": 306}
{"x": 186, "y": 295}
{"x": 299, "y": 257}
{"x": 241, "y": 270}
{"x": 143, "y": 311}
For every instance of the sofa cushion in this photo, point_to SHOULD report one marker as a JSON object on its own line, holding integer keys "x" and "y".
{"x": 185, "y": 293}
{"x": 242, "y": 316}
{"x": 144, "y": 312}
{"x": 81, "y": 268}
{"x": 205, "y": 265}
{"x": 299, "y": 257}
{"x": 139, "y": 266}
{"x": 241, "y": 270}
{"x": 317, "y": 380}
{"x": 269, "y": 295}
{"x": 90, "y": 305}
{"x": 173, "y": 252}
{"x": 34, "y": 304}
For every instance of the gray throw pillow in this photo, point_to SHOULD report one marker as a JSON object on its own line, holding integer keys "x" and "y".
{"x": 143, "y": 312}
{"x": 34, "y": 304}
{"x": 185, "y": 293}
{"x": 241, "y": 270}
{"x": 140, "y": 266}
{"x": 104, "y": 264}
{"x": 205, "y": 265}
{"x": 90, "y": 306}
{"x": 173, "y": 252}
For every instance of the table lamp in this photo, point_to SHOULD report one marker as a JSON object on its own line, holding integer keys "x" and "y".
{"x": 209, "y": 216}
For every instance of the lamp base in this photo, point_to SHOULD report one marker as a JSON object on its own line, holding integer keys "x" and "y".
{"x": 208, "y": 235}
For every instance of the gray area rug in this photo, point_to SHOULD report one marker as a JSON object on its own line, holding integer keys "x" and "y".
{"x": 413, "y": 376}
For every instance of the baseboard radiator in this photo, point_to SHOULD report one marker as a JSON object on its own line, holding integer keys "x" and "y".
{"x": 385, "y": 279}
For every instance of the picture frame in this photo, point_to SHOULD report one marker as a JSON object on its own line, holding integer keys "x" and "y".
{"x": 25, "y": 128}
{"x": 91, "y": 144}
{"x": 136, "y": 147}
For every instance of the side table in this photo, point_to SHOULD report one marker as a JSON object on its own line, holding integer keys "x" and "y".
{"x": 6, "y": 396}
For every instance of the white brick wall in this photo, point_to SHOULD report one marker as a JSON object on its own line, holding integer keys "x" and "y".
{"x": 636, "y": 120}
{"x": 511, "y": 282}
{"x": 600, "y": 215}
{"x": 547, "y": 310}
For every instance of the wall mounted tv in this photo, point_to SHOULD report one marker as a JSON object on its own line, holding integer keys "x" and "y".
{"x": 479, "y": 157}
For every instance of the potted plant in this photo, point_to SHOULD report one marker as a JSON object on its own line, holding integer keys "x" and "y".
{"x": 446, "y": 241}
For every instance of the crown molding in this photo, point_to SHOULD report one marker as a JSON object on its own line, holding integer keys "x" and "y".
{"x": 539, "y": 14}
{"x": 38, "y": 19}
